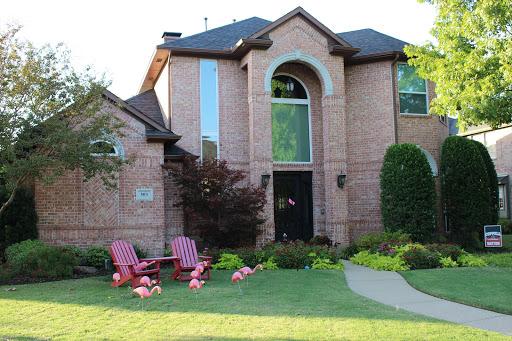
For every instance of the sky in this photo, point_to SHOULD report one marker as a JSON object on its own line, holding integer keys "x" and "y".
{"x": 118, "y": 38}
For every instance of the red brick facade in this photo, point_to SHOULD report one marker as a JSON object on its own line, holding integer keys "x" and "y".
{"x": 353, "y": 121}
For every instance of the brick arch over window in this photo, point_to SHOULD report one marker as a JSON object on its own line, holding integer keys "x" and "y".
{"x": 300, "y": 57}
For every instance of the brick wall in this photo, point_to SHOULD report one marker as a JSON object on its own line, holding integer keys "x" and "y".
{"x": 85, "y": 213}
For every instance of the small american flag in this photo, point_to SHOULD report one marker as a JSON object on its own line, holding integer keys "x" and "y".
{"x": 291, "y": 202}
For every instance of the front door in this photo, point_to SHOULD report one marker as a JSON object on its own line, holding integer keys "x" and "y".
{"x": 293, "y": 205}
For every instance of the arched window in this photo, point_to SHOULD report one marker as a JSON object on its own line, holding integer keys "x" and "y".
{"x": 431, "y": 161}
{"x": 291, "y": 128}
{"x": 111, "y": 147}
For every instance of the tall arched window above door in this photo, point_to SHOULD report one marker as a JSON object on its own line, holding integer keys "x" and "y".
{"x": 291, "y": 126}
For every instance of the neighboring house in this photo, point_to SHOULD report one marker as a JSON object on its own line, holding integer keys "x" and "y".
{"x": 499, "y": 144}
{"x": 307, "y": 113}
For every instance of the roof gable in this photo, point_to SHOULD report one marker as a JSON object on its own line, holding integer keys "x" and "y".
{"x": 336, "y": 39}
{"x": 147, "y": 102}
{"x": 372, "y": 42}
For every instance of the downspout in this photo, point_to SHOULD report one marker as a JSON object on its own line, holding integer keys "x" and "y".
{"x": 393, "y": 85}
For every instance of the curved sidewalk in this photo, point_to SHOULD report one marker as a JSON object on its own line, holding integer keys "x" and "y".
{"x": 390, "y": 288}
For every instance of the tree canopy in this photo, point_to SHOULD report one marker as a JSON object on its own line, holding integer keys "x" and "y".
{"x": 471, "y": 63}
{"x": 49, "y": 115}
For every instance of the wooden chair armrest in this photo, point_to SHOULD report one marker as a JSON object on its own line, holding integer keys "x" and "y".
{"x": 123, "y": 264}
{"x": 158, "y": 259}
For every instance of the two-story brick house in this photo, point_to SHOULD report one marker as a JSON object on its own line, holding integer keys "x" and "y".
{"x": 307, "y": 113}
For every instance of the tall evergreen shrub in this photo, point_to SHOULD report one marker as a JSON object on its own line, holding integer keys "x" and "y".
{"x": 408, "y": 194}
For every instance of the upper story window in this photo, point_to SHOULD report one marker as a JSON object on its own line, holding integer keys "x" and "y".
{"x": 412, "y": 91}
{"x": 291, "y": 135}
{"x": 209, "y": 107}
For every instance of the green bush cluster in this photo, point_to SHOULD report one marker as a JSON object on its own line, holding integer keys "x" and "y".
{"x": 38, "y": 260}
{"x": 379, "y": 262}
{"x": 408, "y": 193}
{"x": 469, "y": 260}
{"x": 95, "y": 256}
{"x": 506, "y": 226}
{"x": 498, "y": 259}
{"x": 326, "y": 264}
{"x": 228, "y": 261}
{"x": 419, "y": 257}
{"x": 292, "y": 255}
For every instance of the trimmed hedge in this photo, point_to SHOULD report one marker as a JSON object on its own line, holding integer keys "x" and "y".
{"x": 465, "y": 188}
{"x": 408, "y": 193}
{"x": 493, "y": 217}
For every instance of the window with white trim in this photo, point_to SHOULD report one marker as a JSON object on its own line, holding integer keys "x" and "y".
{"x": 412, "y": 91}
{"x": 291, "y": 128}
{"x": 209, "y": 107}
{"x": 106, "y": 148}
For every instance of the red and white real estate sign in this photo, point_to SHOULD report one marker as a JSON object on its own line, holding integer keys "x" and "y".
{"x": 493, "y": 236}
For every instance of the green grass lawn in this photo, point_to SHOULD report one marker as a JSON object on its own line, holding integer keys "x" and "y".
{"x": 277, "y": 305}
{"x": 489, "y": 287}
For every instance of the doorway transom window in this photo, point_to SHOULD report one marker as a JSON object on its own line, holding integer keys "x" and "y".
{"x": 291, "y": 127}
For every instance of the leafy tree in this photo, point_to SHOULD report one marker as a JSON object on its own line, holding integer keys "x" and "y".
{"x": 465, "y": 189}
{"x": 226, "y": 213}
{"x": 49, "y": 114}
{"x": 471, "y": 62}
{"x": 408, "y": 193}
{"x": 493, "y": 183}
{"x": 19, "y": 221}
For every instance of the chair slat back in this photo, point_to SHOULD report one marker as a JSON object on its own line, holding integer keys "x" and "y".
{"x": 124, "y": 253}
{"x": 185, "y": 248}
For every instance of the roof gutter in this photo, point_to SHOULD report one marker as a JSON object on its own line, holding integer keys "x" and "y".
{"x": 393, "y": 87}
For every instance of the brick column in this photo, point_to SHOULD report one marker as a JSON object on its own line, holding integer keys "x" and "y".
{"x": 334, "y": 141}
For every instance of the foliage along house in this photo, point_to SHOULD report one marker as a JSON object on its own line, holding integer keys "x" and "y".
{"x": 307, "y": 113}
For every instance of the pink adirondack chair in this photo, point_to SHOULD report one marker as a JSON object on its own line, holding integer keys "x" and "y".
{"x": 128, "y": 266}
{"x": 186, "y": 258}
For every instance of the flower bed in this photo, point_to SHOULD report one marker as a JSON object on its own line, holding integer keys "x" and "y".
{"x": 395, "y": 253}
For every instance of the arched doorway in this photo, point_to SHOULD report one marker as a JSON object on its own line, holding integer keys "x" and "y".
{"x": 291, "y": 144}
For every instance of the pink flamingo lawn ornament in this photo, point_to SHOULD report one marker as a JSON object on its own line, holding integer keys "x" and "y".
{"x": 194, "y": 285}
{"x": 236, "y": 278}
{"x": 116, "y": 277}
{"x": 142, "y": 265}
{"x": 195, "y": 275}
{"x": 143, "y": 292}
{"x": 247, "y": 271}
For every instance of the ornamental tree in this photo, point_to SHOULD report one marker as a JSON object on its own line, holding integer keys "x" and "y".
{"x": 225, "y": 212}
{"x": 471, "y": 63}
{"x": 465, "y": 189}
{"x": 408, "y": 193}
{"x": 49, "y": 114}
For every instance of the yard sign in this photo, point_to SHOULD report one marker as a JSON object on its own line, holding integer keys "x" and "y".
{"x": 492, "y": 236}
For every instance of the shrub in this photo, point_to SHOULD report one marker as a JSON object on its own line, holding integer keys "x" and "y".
{"x": 326, "y": 264}
{"x": 498, "y": 259}
{"x": 506, "y": 226}
{"x": 446, "y": 250}
{"x": 408, "y": 193}
{"x": 320, "y": 240}
{"x": 293, "y": 255}
{"x": 349, "y": 251}
{"x": 228, "y": 261}
{"x": 448, "y": 262}
{"x": 19, "y": 221}
{"x": 492, "y": 177}
{"x": 372, "y": 240}
{"x": 76, "y": 251}
{"x": 270, "y": 264}
{"x": 465, "y": 189}
{"x": 421, "y": 258}
{"x": 469, "y": 260}
{"x": 140, "y": 252}
{"x": 224, "y": 212}
{"x": 35, "y": 259}
{"x": 95, "y": 256}
{"x": 379, "y": 262}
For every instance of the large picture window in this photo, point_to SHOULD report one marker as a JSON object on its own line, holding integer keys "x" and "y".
{"x": 291, "y": 140}
{"x": 209, "y": 107}
{"x": 412, "y": 91}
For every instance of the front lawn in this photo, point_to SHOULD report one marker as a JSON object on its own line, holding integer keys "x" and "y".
{"x": 488, "y": 287}
{"x": 277, "y": 305}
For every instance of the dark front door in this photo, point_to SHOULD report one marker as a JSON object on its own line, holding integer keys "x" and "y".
{"x": 293, "y": 205}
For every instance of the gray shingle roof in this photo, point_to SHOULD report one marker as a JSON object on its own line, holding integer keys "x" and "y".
{"x": 220, "y": 38}
{"x": 147, "y": 103}
{"x": 372, "y": 42}
{"x": 225, "y": 37}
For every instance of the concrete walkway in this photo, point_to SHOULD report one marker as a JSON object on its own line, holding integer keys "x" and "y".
{"x": 390, "y": 288}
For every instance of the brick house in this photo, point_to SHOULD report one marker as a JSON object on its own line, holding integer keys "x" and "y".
{"x": 307, "y": 113}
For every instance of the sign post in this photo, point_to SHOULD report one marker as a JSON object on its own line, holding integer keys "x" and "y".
{"x": 493, "y": 236}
